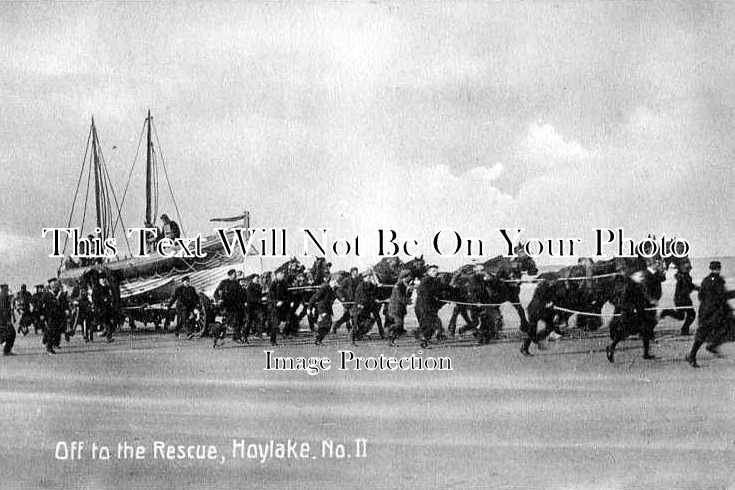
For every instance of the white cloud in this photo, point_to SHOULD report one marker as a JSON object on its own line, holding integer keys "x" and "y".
{"x": 545, "y": 146}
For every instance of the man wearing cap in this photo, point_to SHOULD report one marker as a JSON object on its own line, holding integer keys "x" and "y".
{"x": 254, "y": 306}
{"x": 428, "y": 304}
{"x": 229, "y": 297}
{"x": 346, "y": 296}
{"x": 322, "y": 300}
{"x": 400, "y": 297}
{"x": 103, "y": 303}
{"x": 631, "y": 316}
{"x": 37, "y": 301}
{"x": 279, "y": 308}
{"x": 366, "y": 305}
{"x": 22, "y": 306}
{"x": 7, "y": 317}
{"x": 170, "y": 228}
{"x": 83, "y": 311}
{"x": 682, "y": 298}
{"x": 715, "y": 315}
{"x": 56, "y": 308}
{"x": 653, "y": 276}
{"x": 186, "y": 300}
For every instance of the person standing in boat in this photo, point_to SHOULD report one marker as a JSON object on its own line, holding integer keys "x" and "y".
{"x": 171, "y": 228}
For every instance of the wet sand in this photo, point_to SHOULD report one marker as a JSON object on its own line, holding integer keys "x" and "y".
{"x": 564, "y": 418}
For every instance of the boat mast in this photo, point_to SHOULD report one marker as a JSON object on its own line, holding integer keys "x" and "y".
{"x": 148, "y": 175}
{"x": 97, "y": 178}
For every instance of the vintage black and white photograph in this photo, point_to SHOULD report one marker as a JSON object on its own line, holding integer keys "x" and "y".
{"x": 372, "y": 244}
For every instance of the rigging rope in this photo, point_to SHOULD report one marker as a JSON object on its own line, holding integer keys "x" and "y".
{"x": 165, "y": 173}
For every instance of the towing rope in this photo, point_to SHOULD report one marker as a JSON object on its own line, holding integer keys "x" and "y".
{"x": 587, "y": 313}
{"x": 477, "y": 304}
{"x": 581, "y": 278}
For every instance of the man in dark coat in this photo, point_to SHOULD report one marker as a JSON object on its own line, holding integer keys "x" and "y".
{"x": 682, "y": 299}
{"x": 56, "y": 309}
{"x": 715, "y": 315}
{"x": 255, "y": 310}
{"x": 346, "y": 296}
{"x": 104, "y": 307}
{"x": 322, "y": 300}
{"x": 83, "y": 313}
{"x": 366, "y": 304}
{"x": 653, "y": 276}
{"x": 632, "y": 317}
{"x": 186, "y": 300}
{"x": 278, "y": 305}
{"x": 22, "y": 306}
{"x": 428, "y": 303}
{"x": 229, "y": 296}
{"x": 7, "y": 316}
{"x": 37, "y": 301}
{"x": 400, "y": 297}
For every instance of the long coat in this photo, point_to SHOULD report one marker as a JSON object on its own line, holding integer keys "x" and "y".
{"x": 714, "y": 312}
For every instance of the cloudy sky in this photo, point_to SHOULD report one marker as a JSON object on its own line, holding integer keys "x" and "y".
{"x": 557, "y": 118}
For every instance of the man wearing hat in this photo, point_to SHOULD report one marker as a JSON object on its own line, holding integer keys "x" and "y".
{"x": 254, "y": 308}
{"x": 682, "y": 298}
{"x": 22, "y": 305}
{"x": 428, "y": 304}
{"x": 279, "y": 305}
{"x": 7, "y": 317}
{"x": 631, "y": 316}
{"x": 322, "y": 300}
{"x": 186, "y": 300}
{"x": 400, "y": 297}
{"x": 346, "y": 295}
{"x": 229, "y": 297}
{"x": 56, "y": 309}
{"x": 37, "y": 308}
{"x": 104, "y": 310}
{"x": 366, "y": 306}
{"x": 715, "y": 315}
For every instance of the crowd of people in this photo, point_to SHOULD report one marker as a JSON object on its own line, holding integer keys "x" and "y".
{"x": 56, "y": 313}
{"x": 248, "y": 307}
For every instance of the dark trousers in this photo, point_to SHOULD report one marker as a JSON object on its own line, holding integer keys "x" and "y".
{"x": 323, "y": 325}
{"x": 255, "y": 317}
{"x": 688, "y": 315}
{"x": 344, "y": 319}
{"x": 233, "y": 318}
{"x": 276, "y": 316}
{"x": 363, "y": 321}
{"x": 468, "y": 316}
{"x": 396, "y": 326}
{"x": 7, "y": 335}
{"x": 183, "y": 320}
{"x": 52, "y": 332}
{"x": 489, "y": 318}
{"x": 429, "y": 322}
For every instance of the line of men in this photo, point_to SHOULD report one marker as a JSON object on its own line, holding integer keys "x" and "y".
{"x": 247, "y": 310}
{"x": 636, "y": 311}
{"x": 52, "y": 311}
